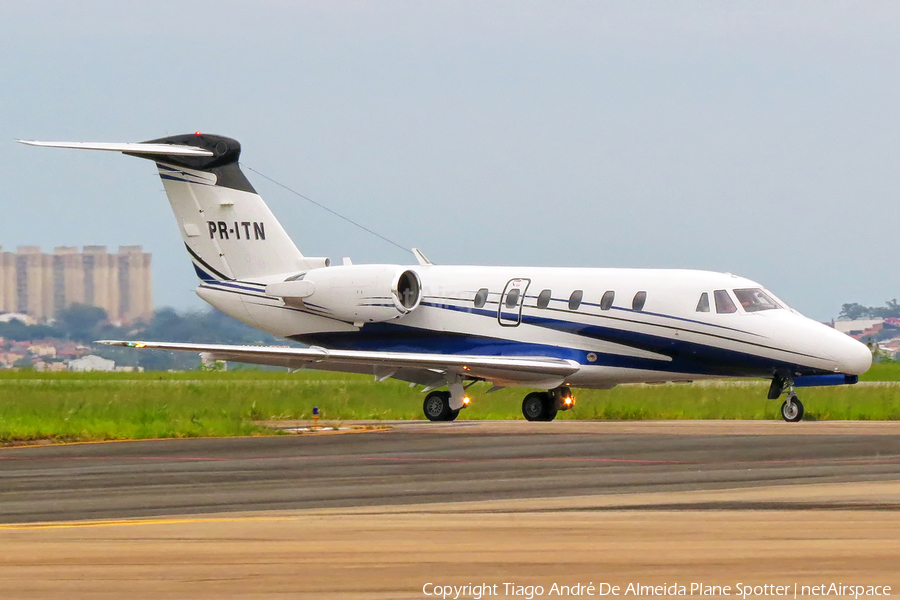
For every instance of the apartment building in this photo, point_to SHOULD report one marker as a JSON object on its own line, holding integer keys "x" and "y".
{"x": 40, "y": 285}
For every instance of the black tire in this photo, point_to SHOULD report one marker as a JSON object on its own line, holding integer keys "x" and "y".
{"x": 792, "y": 412}
{"x": 437, "y": 407}
{"x": 539, "y": 406}
{"x": 533, "y": 406}
{"x": 453, "y": 414}
{"x": 551, "y": 410}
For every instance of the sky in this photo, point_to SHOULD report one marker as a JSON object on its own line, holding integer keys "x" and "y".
{"x": 752, "y": 137}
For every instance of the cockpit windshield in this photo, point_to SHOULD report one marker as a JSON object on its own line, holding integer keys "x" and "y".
{"x": 755, "y": 300}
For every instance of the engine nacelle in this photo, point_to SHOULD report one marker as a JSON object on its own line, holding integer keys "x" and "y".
{"x": 354, "y": 293}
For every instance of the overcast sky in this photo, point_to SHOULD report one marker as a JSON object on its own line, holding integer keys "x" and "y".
{"x": 758, "y": 138}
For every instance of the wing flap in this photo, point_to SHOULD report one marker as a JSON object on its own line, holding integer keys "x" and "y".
{"x": 492, "y": 368}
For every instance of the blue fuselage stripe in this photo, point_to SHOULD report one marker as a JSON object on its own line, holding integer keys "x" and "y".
{"x": 687, "y": 357}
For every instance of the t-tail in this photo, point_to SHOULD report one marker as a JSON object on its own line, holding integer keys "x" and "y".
{"x": 227, "y": 229}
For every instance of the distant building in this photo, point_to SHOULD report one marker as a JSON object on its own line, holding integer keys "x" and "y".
{"x": 52, "y": 367}
{"x": 8, "y": 317}
{"x": 92, "y": 362}
{"x": 44, "y": 350}
{"x": 40, "y": 285}
{"x": 8, "y": 359}
{"x": 858, "y": 328}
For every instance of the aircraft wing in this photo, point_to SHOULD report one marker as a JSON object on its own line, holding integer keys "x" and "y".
{"x": 539, "y": 371}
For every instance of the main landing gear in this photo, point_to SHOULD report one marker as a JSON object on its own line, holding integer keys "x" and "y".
{"x": 537, "y": 406}
{"x": 437, "y": 407}
{"x": 543, "y": 406}
{"x": 445, "y": 406}
{"x": 792, "y": 408}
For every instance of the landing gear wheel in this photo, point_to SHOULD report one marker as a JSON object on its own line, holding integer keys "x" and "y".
{"x": 792, "y": 409}
{"x": 437, "y": 407}
{"x": 550, "y": 409}
{"x": 539, "y": 406}
{"x": 533, "y": 407}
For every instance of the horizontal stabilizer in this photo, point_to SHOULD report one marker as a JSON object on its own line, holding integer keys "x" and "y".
{"x": 138, "y": 148}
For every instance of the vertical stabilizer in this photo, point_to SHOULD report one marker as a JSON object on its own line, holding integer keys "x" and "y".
{"x": 228, "y": 230}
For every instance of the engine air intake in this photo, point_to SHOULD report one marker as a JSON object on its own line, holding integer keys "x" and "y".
{"x": 408, "y": 291}
{"x": 355, "y": 293}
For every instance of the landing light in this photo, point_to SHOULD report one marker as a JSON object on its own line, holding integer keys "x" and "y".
{"x": 466, "y": 401}
{"x": 569, "y": 400}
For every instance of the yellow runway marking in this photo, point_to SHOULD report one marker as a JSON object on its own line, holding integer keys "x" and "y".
{"x": 120, "y": 522}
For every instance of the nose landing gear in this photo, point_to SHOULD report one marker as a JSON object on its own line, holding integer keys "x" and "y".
{"x": 792, "y": 408}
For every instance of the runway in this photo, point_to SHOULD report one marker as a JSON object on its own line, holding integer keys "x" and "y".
{"x": 422, "y": 463}
{"x": 384, "y": 514}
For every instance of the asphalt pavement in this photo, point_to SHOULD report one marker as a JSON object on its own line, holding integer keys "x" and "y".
{"x": 417, "y": 465}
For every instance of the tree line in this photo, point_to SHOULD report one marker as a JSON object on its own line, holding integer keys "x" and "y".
{"x": 852, "y": 311}
{"x": 85, "y": 324}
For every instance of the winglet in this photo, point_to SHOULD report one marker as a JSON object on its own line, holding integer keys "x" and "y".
{"x": 423, "y": 260}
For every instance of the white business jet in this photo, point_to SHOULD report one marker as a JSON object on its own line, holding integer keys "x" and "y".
{"x": 450, "y": 326}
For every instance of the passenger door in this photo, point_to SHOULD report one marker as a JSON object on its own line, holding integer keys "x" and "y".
{"x": 509, "y": 313}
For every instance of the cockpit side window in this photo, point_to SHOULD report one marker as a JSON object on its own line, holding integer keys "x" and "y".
{"x": 755, "y": 300}
{"x": 703, "y": 305}
{"x": 724, "y": 304}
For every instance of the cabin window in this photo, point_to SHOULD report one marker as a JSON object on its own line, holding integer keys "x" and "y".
{"x": 512, "y": 298}
{"x": 543, "y": 300}
{"x": 703, "y": 305}
{"x": 724, "y": 305}
{"x": 481, "y": 297}
{"x": 607, "y": 300}
{"x": 639, "y": 299}
{"x": 575, "y": 299}
{"x": 755, "y": 300}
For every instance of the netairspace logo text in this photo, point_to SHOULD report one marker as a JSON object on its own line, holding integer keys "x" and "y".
{"x": 477, "y": 591}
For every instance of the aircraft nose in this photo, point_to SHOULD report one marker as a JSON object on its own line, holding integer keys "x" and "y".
{"x": 853, "y": 358}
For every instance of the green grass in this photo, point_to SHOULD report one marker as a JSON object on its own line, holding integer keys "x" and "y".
{"x": 883, "y": 371}
{"x": 94, "y": 406}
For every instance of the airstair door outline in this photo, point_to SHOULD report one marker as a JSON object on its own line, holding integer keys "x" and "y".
{"x": 509, "y": 313}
